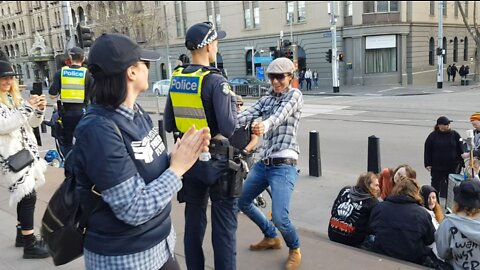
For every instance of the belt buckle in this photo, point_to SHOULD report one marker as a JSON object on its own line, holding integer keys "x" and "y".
{"x": 267, "y": 162}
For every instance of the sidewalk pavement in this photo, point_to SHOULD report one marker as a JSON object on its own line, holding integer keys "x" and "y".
{"x": 317, "y": 251}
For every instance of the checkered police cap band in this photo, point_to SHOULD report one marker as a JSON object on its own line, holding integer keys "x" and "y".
{"x": 201, "y": 34}
{"x": 207, "y": 40}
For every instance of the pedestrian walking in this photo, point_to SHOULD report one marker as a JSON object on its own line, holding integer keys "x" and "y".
{"x": 301, "y": 79}
{"x": 199, "y": 95}
{"x": 315, "y": 78}
{"x": 73, "y": 85}
{"x": 461, "y": 72}
{"x": 449, "y": 71}
{"x": 17, "y": 117}
{"x": 120, "y": 155}
{"x": 280, "y": 111}
{"x": 453, "y": 71}
{"x": 308, "y": 78}
{"x": 442, "y": 154}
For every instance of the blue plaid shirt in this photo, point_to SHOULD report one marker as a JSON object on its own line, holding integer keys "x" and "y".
{"x": 281, "y": 116}
{"x": 135, "y": 203}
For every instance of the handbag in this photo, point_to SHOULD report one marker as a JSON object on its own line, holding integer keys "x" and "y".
{"x": 22, "y": 158}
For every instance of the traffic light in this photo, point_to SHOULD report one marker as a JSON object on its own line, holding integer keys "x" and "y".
{"x": 328, "y": 56}
{"x": 289, "y": 54}
{"x": 439, "y": 51}
{"x": 85, "y": 36}
{"x": 340, "y": 57}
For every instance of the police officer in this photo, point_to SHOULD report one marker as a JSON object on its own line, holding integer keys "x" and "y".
{"x": 199, "y": 95}
{"x": 74, "y": 84}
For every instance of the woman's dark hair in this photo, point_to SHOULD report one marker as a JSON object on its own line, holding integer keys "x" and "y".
{"x": 110, "y": 91}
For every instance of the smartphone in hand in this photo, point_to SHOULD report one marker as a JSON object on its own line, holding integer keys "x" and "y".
{"x": 37, "y": 89}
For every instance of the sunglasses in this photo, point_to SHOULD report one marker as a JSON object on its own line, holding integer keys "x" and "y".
{"x": 147, "y": 64}
{"x": 239, "y": 104}
{"x": 279, "y": 77}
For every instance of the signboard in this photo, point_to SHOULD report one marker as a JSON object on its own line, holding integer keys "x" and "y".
{"x": 260, "y": 73}
{"x": 380, "y": 42}
{"x": 262, "y": 59}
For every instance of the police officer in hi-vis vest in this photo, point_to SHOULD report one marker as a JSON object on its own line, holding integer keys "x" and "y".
{"x": 73, "y": 83}
{"x": 199, "y": 95}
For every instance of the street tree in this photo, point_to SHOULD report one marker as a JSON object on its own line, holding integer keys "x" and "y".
{"x": 474, "y": 33}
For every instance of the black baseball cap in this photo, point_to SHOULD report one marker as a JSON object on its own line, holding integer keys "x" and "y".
{"x": 76, "y": 51}
{"x": 443, "y": 120}
{"x": 112, "y": 54}
{"x": 6, "y": 69}
{"x": 201, "y": 34}
{"x": 467, "y": 194}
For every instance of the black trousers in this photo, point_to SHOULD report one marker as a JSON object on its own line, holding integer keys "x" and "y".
{"x": 70, "y": 121}
{"x": 171, "y": 264}
{"x": 440, "y": 181}
{"x": 25, "y": 209}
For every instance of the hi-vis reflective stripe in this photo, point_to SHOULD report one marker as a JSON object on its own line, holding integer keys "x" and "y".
{"x": 184, "y": 112}
{"x": 73, "y": 86}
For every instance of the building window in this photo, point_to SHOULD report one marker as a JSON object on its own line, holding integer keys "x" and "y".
{"x": 348, "y": 8}
{"x": 180, "y": 17}
{"x": 455, "y": 49}
{"x": 444, "y": 8}
{"x": 466, "y": 8}
{"x": 251, "y": 14}
{"x": 431, "y": 52}
{"x": 380, "y": 6}
{"x": 213, "y": 13}
{"x": 465, "y": 49}
{"x": 381, "y": 54}
{"x": 432, "y": 8}
{"x": 290, "y": 11}
{"x": 298, "y": 8}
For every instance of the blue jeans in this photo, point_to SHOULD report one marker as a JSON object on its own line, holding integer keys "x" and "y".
{"x": 281, "y": 179}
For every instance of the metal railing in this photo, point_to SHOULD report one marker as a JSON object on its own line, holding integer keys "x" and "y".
{"x": 249, "y": 90}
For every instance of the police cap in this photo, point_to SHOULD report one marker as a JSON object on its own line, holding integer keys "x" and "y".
{"x": 201, "y": 34}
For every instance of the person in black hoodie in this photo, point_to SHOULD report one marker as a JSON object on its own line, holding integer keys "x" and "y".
{"x": 351, "y": 210}
{"x": 442, "y": 154}
{"x": 402, "y": 228}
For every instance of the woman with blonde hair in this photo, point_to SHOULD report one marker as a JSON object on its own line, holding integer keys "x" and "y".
{"x": 21, "y": 171}
{"x": 402, "y": 228}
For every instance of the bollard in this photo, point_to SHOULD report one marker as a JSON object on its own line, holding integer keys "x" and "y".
{"x": 161, "y": 132}
{"x": 314, "y": 162}
{"x": 373, "y": 163}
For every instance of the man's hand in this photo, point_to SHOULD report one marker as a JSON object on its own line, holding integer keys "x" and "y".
{"x": 258, "y": 128}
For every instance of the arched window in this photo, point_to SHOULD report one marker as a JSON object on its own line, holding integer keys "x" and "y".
{"x": 455, "y": 49}
{"x": 17, "y": 49}
{"x": 12, "y": 51}
{"x": 4, "y": 32}
{"x": 431, "y": 51}
{"x": 101, "y": 11}
{"x": 465, "y": 49}
{"x": 9, "y": 31}
{"x": 89, "y": 13}
{"x": 74, "y": 17}
{"x": 81, "y": 15}
{"x": 14, "y": 29}
{"x": 445, "y": 48}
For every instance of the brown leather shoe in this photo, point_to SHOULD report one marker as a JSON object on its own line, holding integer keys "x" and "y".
{"x": 294, "y": 259}
{"x": 267, "y": 243}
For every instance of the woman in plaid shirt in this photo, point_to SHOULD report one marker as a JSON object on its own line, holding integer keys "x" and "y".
{"x": 280, "y": 112}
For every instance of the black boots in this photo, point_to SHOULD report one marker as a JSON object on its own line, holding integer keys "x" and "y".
{"x": 33, "y": 248}
{"x": 19, "y": 238}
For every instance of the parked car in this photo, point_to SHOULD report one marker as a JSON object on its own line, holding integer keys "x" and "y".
{"x": 160, "y": 88}
{"x": 249, "y": 86}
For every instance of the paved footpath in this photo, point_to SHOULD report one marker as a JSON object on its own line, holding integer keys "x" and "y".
{"x": 317, "y": 251}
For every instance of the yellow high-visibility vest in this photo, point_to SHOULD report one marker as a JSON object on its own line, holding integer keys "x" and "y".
{"x": 73, "y": 84}
{"x": 185, "y": 93}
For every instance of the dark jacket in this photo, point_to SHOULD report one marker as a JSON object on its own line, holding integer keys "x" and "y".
{"x": 402, "y": 228}
{"x": 105, "y": 158}
{"x": 443, "y": 150}
{"x": 350, "y": 214}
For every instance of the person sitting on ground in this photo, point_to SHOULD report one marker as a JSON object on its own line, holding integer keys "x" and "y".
{"x": 458, "y": 237}
{"x": 402, "y": 228}
{"x": 431, "y": 203}
{"x": 389, "y": 177}
{"x": 351, "y": 210}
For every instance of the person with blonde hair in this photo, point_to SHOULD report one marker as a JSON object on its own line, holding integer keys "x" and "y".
{"x": 458, "y": 237}
{"x": 17, "y": 117}
{"x": 402, "y": 228}
{"x": 351, "y": 210}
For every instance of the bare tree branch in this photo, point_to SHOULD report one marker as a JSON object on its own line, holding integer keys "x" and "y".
{"x": 469, "y": 29}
